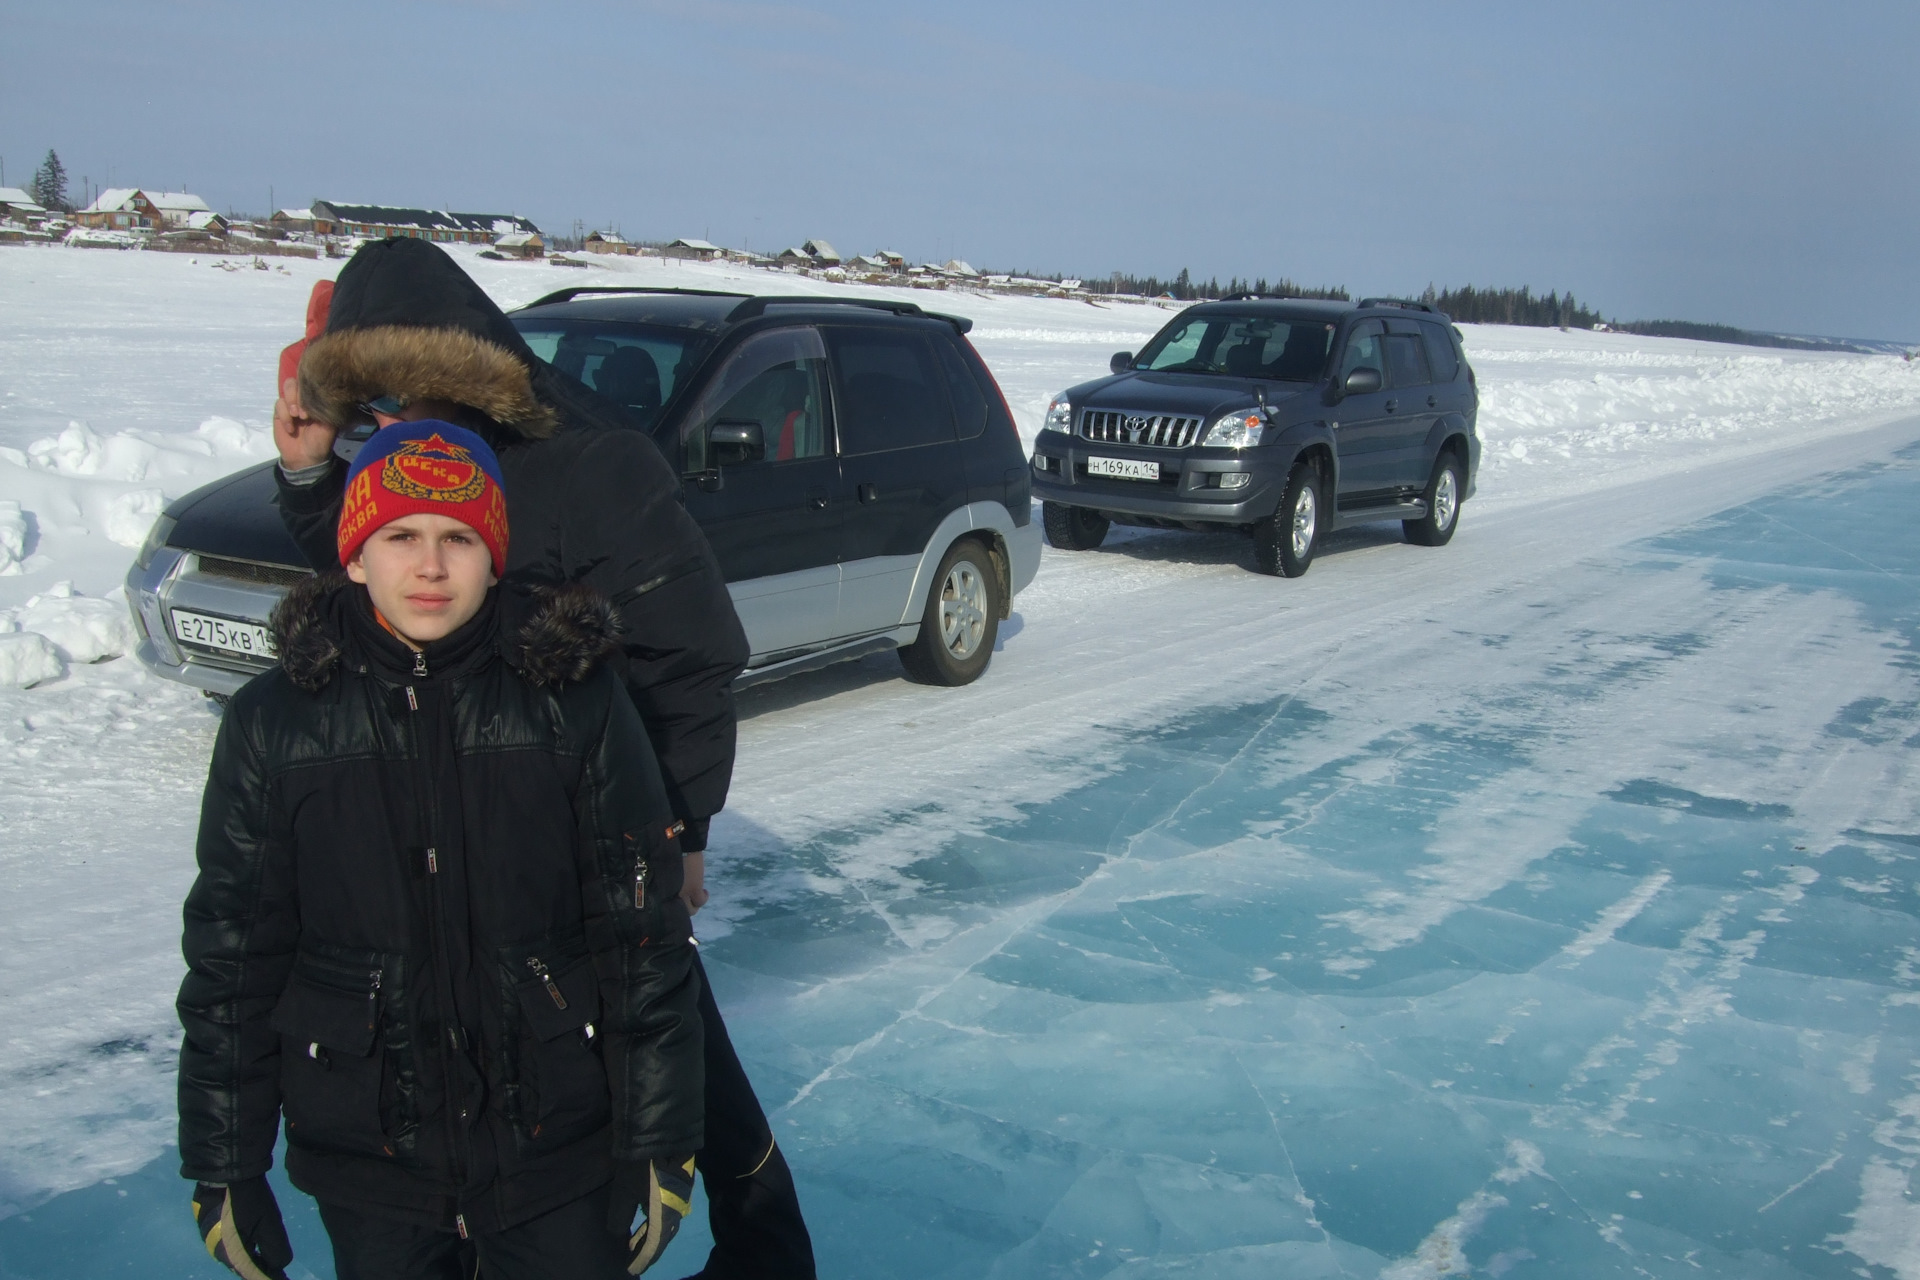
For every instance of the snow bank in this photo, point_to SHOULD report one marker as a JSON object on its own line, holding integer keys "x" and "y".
{"x": 13, "y": 537}
{"x": 27, "y": 659}
{"x": 82, "y": 629}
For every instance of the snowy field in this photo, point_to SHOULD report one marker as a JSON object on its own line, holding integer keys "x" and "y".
{"x": 1543, "y": 904}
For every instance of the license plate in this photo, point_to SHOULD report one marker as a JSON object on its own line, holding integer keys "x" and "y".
{"x": 1123, "y": 468}
{"x": 249, "y": 639}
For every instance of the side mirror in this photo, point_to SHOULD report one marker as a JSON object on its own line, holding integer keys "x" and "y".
{"x": 1121, "y": 362}
{"x": 735, "y": 442}
{"x": 1363, "y": 380}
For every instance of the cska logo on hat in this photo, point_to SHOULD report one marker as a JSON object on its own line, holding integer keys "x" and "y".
{"x": 432, "y": 470}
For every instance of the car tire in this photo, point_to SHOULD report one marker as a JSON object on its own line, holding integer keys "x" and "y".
{"x": 1285, "y": 541}
{"x": 1435, "y": 529}
{"x": 1073, "y": 528}
{"x": 961, "y": 620}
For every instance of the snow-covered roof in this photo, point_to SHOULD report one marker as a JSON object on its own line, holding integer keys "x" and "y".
{"x": 112, "y": 200}
{"x": 518, "y": 239}
{"x": 701, "y": 245}
{"x": 176, "y": 201}
{"x": 607, "y": 237}
{"x": 381, "y": 215}
{"x": 17, "y": 198}
{"x": 959, "y": 268}
{"x": 822, "y": 250}
{"x": 204, "y": 219}
{"x": 296, "y": 215}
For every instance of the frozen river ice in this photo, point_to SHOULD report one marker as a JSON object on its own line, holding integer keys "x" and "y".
{"x": 1568, "y": 932}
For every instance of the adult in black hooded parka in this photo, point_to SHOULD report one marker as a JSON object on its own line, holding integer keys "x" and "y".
{"x": 590, "y": 500}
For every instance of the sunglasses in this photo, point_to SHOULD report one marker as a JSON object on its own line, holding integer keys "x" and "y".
{"x": 382, "y": 406}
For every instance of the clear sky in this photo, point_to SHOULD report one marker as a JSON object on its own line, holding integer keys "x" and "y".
{"x": 1748, "y": 163}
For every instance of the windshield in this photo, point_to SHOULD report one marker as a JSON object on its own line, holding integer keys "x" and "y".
{"x": 634, "y": 365}
{"x": 1243, "y": 346}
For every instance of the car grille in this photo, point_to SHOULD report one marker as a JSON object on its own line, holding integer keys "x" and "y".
{"x": 1161, "y": 430}
{"x": 273, "y": 575}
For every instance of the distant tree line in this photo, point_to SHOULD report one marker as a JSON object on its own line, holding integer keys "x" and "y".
{"x": 1512, "y": 306}
{"x": 1727, "y": 333}
{"x": 1184, "y": 288}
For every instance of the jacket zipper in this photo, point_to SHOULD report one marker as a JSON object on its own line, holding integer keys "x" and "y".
{"x": 426, "y": 800}
{"x": 546, "y": 980}
{"x": 640, "y": 872}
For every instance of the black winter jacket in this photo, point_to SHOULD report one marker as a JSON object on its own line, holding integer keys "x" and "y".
{"x": 589, "y": 499}
{"x": 436, "y": 921}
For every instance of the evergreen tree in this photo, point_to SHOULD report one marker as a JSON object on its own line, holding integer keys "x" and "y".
{"x": 50, "y": 184}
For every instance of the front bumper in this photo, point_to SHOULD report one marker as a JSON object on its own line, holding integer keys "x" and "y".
{"x": 240, "y": 590}
{"x": 1189, "y": 490}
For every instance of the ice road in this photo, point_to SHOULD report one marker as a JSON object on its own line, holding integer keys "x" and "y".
{"x": 1543, "y": 904}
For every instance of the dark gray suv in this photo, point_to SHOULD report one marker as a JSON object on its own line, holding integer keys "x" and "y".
{"x": 1282, "y": 417}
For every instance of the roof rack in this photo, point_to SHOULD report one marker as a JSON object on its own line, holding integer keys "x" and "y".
{"x": 567, "y": 295}
{"x": 1405, "y": 304}
{"x": 758, "y": 305}
{"x": 1256, "y": 297}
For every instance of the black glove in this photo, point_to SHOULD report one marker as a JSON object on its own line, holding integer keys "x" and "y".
{"x": 649, "y": 1199}
{"x": 242, "y": 1229}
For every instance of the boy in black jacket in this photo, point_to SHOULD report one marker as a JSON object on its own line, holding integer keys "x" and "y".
{"x": 437, "y": 923}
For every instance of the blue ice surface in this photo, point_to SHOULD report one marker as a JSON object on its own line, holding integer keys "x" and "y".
{"x": 1158, "y": 1076}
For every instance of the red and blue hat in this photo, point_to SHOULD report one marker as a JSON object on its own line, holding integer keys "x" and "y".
{"x": 428, "y": 467}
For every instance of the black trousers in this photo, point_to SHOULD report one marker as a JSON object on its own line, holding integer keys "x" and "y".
{"x": 568, "y": 1243}
{"x": 752, "y": 1209}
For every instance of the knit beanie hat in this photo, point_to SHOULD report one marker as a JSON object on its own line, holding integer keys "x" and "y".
{"x": 428, "y": 466}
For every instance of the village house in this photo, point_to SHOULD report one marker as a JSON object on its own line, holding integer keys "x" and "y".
{"x": 120, "y": 209}
{"x": 521, "y": 244}
{"x": 175, "y": 207}
{"x": 15, "y": 203}
{"x": 295, "y": 221}
{"x": 207, "y": 222}
{"x": 378, "y": 222}
{"x": 609, "y": 242}
{"x": 699, "y": 250}
{"x": 822, "y": 253}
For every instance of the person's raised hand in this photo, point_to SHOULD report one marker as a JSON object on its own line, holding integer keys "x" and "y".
{"x": 302, "y": 441}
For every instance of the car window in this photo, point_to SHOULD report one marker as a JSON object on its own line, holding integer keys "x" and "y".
{"x": 887, "y": 392}
{"x": 1440, "y": 352}
{"x": 777, "y": 381}
{"x": 1363, "y": 349}
{"x": 1407, "y": 361}
{"x": 969, "y": 401}
{"x": 1257, "y": 346}
{"x": 636, "y": 366}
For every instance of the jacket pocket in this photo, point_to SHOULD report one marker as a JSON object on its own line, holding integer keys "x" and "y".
{"x": 334, "y": 1074}
{"x": 561, "y": 1089}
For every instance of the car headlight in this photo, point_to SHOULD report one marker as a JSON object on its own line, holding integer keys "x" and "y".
{"x": 156, "y": 539}
{"x": 1240, "y": 429}
{"x": 1059, "y": 416}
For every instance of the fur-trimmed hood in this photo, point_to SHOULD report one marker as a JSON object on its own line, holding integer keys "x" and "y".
{"x": 551, "y": 635}
{"x": 406, "y": 321}
{"x": 344, "y": 368}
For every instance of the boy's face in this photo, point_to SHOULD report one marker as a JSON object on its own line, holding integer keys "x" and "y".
{"x": 428, "y": 575}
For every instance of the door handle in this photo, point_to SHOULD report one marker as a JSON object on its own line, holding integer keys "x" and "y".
{"x": 868, "y": 492}
{"x": 817, "y": 500}
{"x": 1433, "y": 402}
{"x": 1392, "y": 405}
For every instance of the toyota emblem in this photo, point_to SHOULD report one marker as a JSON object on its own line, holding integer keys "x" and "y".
{"x": 1135, "y": 425}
